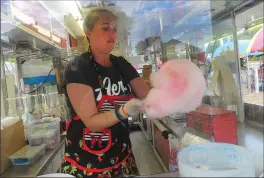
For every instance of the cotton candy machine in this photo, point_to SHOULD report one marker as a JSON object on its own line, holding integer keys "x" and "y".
{"x": 205, "y": 125}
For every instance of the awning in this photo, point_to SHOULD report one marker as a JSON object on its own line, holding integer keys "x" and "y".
{"x": 242, "y": 47}
{"x": 256, "y": 43}
{"x": 255, "y": 54}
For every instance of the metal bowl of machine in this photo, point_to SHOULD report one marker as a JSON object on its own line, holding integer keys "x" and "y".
{"x": 56, "y": 175}
{"x": 215, "y": 160}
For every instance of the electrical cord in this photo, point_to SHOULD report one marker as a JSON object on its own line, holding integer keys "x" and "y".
{"x": 44, "y": 81}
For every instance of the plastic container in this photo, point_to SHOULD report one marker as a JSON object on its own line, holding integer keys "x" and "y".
{"x": 43, "y": 125}
{"x": 27, "y": 155}
{"x": 35, "y": 139}
{"x": 51, "y": 138}
{"x": 215, "y": 160}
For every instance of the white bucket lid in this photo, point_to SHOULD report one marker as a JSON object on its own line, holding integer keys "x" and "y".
{"x": 56, "y": 175}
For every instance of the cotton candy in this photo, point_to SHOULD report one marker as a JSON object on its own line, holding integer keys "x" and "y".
{"x": 178, "y": 87}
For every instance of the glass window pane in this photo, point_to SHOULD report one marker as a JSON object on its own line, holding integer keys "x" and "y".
{"x": 59, "y": 33}
{"x": 149, "y": 34}
{"x": 26, "y": 13}
{"x": 5, "y": 7}
{"x": 250, "y": 42}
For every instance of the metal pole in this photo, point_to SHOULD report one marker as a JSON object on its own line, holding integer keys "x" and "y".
{"x": 241, "y": 108}
{"x": 162, "y": 52}
{"x": 256, "y": 80}
{"x": 9, "y": 13}
{"x": 248, "y": 76}
{"x": 3, "y": 87}
{"x": 155, "y": 58}
{"x": 57, "y": 67}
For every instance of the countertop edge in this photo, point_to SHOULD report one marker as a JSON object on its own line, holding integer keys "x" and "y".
{"x": 47, "y": 158}
{"x": 51, "y": 156}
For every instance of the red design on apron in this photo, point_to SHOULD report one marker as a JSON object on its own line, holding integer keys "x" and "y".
{"x": 96, "y": 142}
{"x": 95, "y": 169}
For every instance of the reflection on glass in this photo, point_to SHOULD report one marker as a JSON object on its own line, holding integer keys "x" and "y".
{"x": 59, "y": 33}
{"x": 251, "y": 48}
{"x": 224, "y": 62}
{"x": 57, "y": 28}
{"x": 24, "y": 16}
{"x": 26, "y": 13}
{"x": 5, "y": 7}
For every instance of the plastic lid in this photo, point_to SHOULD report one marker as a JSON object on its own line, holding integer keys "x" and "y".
{"x": 47, "y": 119}
{"x": 36, "y": 135}
{"x": 28, "y": 152}
{"x": 50, "y": 119}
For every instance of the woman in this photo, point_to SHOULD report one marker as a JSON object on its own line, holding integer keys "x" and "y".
{"x": 97, "y": 84}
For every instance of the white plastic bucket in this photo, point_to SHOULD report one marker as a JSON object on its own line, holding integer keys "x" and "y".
{"x": 215, "y": 160}
{"x": 56, "y": 175}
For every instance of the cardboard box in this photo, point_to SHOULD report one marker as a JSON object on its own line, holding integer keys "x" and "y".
{"x": 12, "y": 140}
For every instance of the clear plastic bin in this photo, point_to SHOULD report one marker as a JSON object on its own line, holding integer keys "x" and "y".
{"x": 51, "y": 138}
{"x": 35, "y": 139}
{"x": 27, "y": 155}
{"x": 43, "y": 125}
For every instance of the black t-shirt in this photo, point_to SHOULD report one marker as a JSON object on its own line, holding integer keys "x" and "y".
{"x": 80, "y": 70}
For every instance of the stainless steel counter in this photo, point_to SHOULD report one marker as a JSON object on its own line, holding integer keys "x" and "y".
{"x": 38, "y": 167}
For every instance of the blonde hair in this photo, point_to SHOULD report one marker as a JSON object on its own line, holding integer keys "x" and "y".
{"x": 93, "y": 16}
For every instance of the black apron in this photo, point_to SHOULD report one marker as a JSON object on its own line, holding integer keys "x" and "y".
{"x": 99, "y": 154}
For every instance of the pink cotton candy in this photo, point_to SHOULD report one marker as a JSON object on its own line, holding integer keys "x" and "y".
{"x": 178, "y": 87}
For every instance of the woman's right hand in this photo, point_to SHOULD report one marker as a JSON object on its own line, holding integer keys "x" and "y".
{"x": 132, "y": 107}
